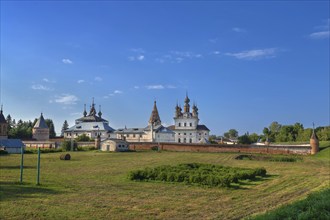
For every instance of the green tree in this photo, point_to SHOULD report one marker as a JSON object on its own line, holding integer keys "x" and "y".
{"x": 323, "y": 133}
{"x": 64, "y": 127}
{"x": 232, "y": 133}
{"x": 51, "y": 127}
{"x": 244, "y": 139}
{"x": 83, "y": 137}
{"x": 254, "y": 138}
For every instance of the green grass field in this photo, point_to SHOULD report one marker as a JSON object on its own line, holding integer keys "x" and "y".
{"x": 94, "y": 185}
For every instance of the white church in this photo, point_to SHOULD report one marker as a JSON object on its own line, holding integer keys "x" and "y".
{"x": 186, "y": 128}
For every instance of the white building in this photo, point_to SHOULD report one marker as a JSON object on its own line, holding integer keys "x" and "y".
{"x": 187, "y": 128}
{"x": 116, "y": 145}
{"x": 91, "y": 125}
{"x": 154, "y": 132}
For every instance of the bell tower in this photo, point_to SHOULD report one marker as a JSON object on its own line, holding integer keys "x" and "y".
{"x": 3, "y": 126}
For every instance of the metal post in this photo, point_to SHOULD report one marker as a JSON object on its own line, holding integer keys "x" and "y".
{"x": 22, "y": 164}
{"x": 38, "y": 167}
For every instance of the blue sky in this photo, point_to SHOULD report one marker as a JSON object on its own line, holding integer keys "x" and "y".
{"x": 245, "y": 63}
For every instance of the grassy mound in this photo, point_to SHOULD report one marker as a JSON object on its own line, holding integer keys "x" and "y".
{"x": 315, "y": 206}
{"x": 195, "y": 173}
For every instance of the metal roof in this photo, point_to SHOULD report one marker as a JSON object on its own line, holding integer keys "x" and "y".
{"x": 90, "y": 126}
{"x": 11, "y": 143}
{"x": 41, "y": 123}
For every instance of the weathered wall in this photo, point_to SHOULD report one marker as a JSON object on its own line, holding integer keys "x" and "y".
{"x": 239, "y": 148}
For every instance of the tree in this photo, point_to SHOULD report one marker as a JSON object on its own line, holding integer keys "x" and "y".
{"x": 83, "y": 137}
{"x": 244, "y": 139}
{"x": 51, "y": 127}
{"x": 9, "y": 122}
{"x": 232, "y": 133}
{"x": 64, "y": 127}
{"x": 323, "y": 133}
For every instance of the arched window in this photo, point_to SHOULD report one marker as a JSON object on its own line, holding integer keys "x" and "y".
{"x": 179, "y": 140}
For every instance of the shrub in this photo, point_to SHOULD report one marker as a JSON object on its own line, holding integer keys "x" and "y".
{"x": 3, "y": 152}
{"x": 66, "y": 145}
{"x": 201, "y": 174}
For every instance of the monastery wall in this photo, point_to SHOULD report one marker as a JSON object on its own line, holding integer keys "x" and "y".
{"x": 238, "y": 148}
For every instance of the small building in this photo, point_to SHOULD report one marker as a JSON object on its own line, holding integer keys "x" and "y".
{"x": 40, "y": 131}
{"x": 12, "y": 146}
{"x": 115, "y": 145}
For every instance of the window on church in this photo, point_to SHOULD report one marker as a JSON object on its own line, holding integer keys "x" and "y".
{"x": 127, "y": 135}
{"x": 190, "y": 133}
{"x": 184, "y": 133}
{"x": 190, "y": 140}
{"x": 140, "y": 135}
{"x": 179, "y": 140}
{"x": 133, "y": 135}
{"x": 185, "y": 124}
{"x": 190, "y": 124}
{"x": 179, "y": 124}
{"x": 184, "y": 140}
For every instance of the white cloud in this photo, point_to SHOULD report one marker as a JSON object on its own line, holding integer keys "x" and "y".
{"x": 254, "y": 54}
{"x": 98, "y": 79}
{"x": 238, "y": 30}
{"x": 40, "y": 87}
{"x": 320, "y": 35}
{"x": 118, "y": 92}
{"x": 80, "y": 81}
{"x": 216, "y": 52}
{"x": 171, "y": 87}
{"x": 67, "y": 61}
{"x": 136, "y": 58}
{"x": 48, "y": 80}
{"x": 136, "y": 87}
{"x": 323, "y": 31}
{"x": 66, "y": 99}
{"x": 155, "y": 87}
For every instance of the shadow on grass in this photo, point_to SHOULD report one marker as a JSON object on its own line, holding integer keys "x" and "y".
{"x": 252, "y": 182}
{"x": 17, "y": 167}
{"x": 14, "y": 191}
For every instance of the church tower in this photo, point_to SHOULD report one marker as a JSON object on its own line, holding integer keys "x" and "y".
{"x": 40, "y": 131}
{"x": 3, "y": 126}
{"x": 154, "y": 117}
{"x": 314, "y": 142}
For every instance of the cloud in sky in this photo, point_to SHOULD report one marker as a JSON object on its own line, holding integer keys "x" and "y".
{"x": 40, "y": 87}
{"x": 254, "y": 54}
{"x": 48, "y": 80}
{"x": 320, "y": 35}
{"x": 136, "y": 58}
{"x": 98, "y": 79}
{"x": 118, "y": 92}
{"x": 66, "y": 99}
{"x": 159, "y": 86}
{"x": 216, "y": 52}
{"x": 136, "y": 87}
{"x": 67, "y": 61}
{"x": 323, "y": 31}
{"x": 178, "y": 56}
{"x": 80, "y": 81}
{"x": 238, "y": 30}
{"x": 155, "y": 87}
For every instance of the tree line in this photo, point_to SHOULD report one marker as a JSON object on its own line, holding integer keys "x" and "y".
{"x": 23, "y": 129}
{"x": 277, "y": 132}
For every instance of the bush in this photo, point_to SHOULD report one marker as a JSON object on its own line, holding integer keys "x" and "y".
{"x": 3, "y": 152}
{"x": 200, "y": 174}
{"x": 66, "y": 145}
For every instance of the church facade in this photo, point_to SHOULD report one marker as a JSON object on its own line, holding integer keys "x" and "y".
{"x": 154, "y": 132}
{"x": 92, "y": 125}
{"x": 186, "y": 125}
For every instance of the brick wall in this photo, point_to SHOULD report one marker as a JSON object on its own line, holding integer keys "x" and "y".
{"x": 239, "y": 148}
